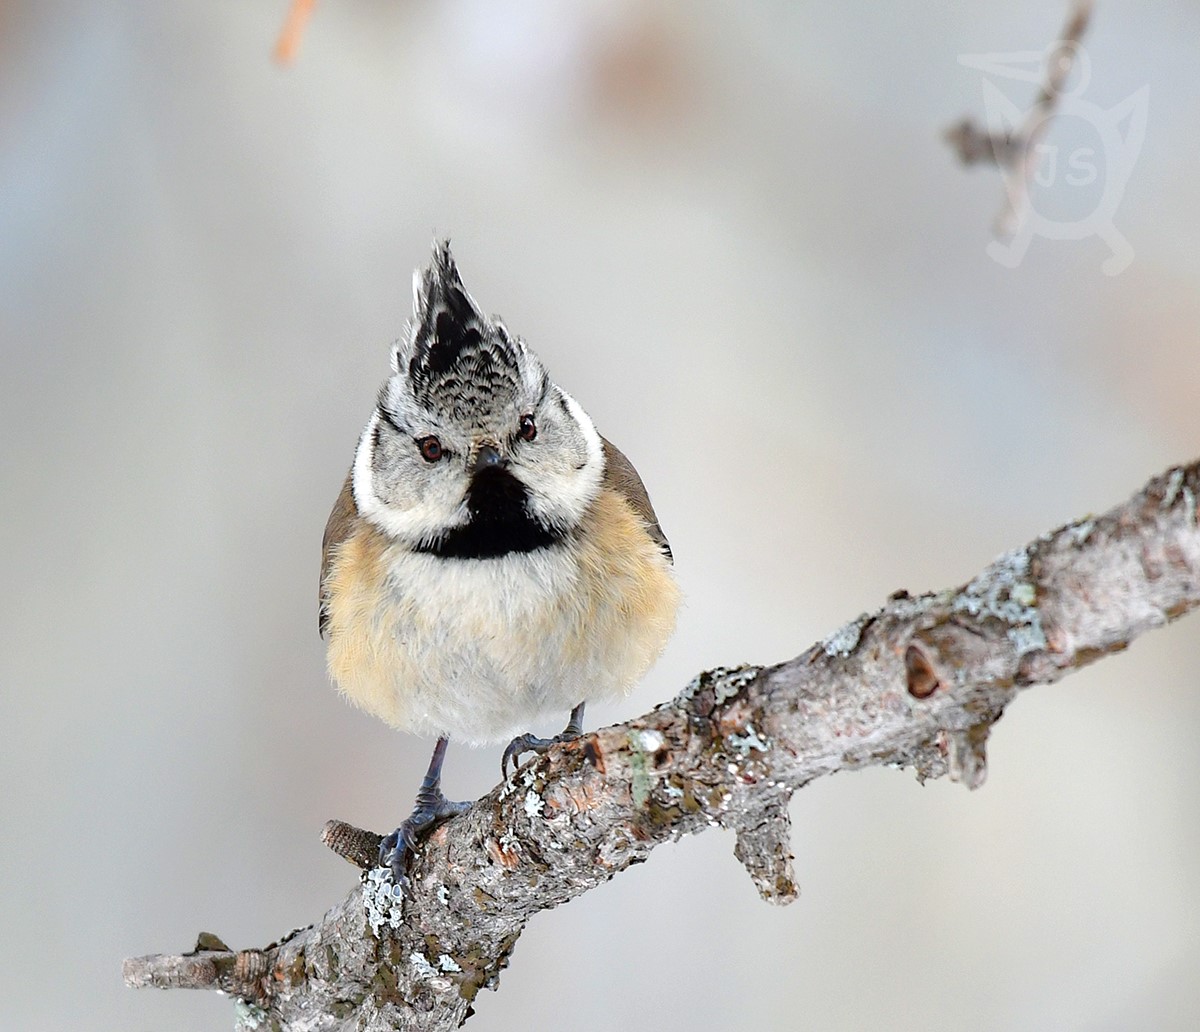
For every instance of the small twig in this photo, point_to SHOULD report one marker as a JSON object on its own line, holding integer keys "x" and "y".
{"x": 1018, "y": 149}
{"x": 210, "y": 965}
{"x": 360, "y": 847}
{"x": 290, "y": 36}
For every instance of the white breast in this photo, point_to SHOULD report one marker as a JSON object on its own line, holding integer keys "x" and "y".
{"x": 489, "y": 643}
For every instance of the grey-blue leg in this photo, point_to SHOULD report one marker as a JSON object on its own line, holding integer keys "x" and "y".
{"x": 531, "y": 743}
{"x": 431, "y": 806}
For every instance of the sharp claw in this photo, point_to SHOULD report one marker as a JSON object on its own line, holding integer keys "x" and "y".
{"x": 530, "y": 743}
{"x": 513, "y": 754}
{"x": 387, "y": 846}
{"x": 397, "y": 849}
{"x": 401, "y": 881}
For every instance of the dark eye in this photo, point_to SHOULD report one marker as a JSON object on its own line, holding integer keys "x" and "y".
{"x": 528, "y": 429}
{"x": 431, "y": 448}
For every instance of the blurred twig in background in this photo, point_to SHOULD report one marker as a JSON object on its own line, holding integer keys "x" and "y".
{"x": 1017, "y": 148}
{"x": 292, "y": 33}
{"x": 917, "y": 684}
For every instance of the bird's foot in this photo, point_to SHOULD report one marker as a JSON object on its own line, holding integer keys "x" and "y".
{"x": 396, "y": 849}
{"x": 531, "y": 743}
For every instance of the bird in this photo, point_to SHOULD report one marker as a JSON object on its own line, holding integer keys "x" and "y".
{"x": 491, "y": 558}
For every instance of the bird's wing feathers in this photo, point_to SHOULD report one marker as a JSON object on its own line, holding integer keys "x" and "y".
{"x": 620, "y": 476}
{"x": 339, "y": 527}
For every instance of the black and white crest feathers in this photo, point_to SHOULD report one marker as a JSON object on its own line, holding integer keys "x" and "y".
{"x": 460, "y": 361}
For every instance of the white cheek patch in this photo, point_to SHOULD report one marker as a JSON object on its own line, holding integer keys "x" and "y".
{"x": 563, "y": 496}
{"x": 417, "y": 524}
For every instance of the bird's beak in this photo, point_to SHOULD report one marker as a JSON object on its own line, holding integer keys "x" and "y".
{"x": 487, "y": 457}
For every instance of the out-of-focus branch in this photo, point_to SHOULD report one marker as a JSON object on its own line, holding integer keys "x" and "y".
{"x": 918, "y": 683}
{"x": 287, "y": 46}
{"x": 1017, "y": 149}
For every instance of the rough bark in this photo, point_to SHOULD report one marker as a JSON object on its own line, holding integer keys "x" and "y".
{"x": 918, "y": 683}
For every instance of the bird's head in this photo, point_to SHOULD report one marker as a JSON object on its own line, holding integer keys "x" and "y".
{"x": 472, "y": 451}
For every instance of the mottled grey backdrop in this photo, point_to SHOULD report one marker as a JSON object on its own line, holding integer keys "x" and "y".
{"x": 732, "y": 231}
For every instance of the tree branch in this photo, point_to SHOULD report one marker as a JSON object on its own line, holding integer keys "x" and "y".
{"x": 1018, "y": 149}
{"x": 287, "y": 46}
{"x": 917, "y": 684}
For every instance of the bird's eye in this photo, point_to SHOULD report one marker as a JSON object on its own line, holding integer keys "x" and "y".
{"x": 528, "y": 429}
{"x": 431, "y": 448}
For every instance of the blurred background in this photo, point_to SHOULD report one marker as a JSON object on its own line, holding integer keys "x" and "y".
{"x": 733, "y": 232}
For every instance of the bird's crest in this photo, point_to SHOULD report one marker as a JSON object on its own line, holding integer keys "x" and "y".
{"x": 458, "y": 360}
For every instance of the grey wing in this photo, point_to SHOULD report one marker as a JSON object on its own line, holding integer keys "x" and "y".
{"x": 339, "y": 527}
{"x": 620, "y": 475}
